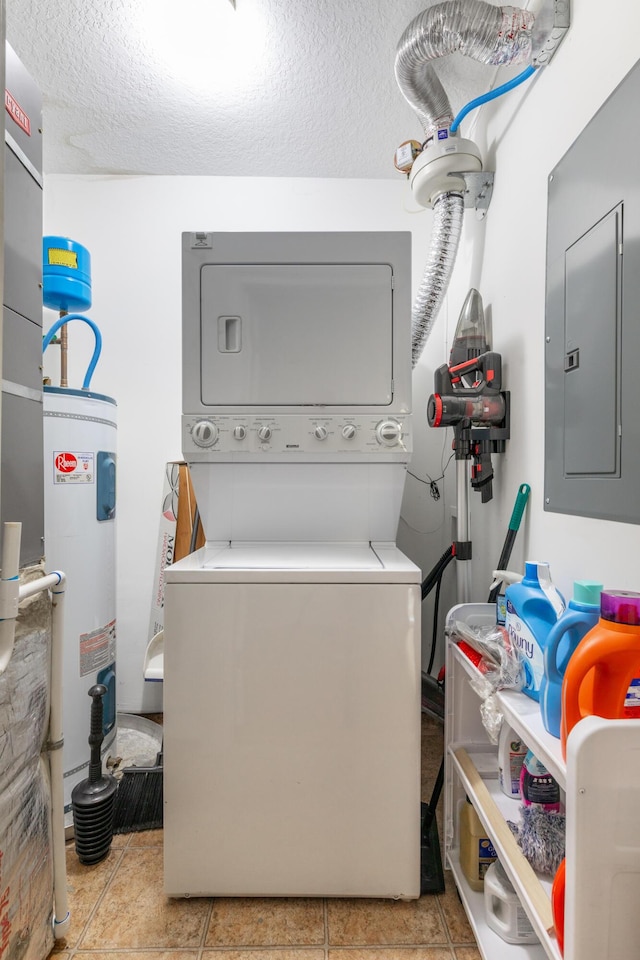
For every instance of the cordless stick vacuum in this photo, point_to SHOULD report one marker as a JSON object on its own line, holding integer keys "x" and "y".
{"x": 468, "y": 396}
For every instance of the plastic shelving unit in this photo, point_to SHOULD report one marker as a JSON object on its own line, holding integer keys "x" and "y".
{"x": 472, "y": 770}
{"x": 601, "y": 779}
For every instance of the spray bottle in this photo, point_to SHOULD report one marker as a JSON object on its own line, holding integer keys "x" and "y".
{"x": 538, "y": 787}
{"x": 580, "y": 616}
{"x": 603, "y": 675}
{"x": 533, "y": 608}
{"x": 511, "y": 753}
{"x": 501, "y": 580}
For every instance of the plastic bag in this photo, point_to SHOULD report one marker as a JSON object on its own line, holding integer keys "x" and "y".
{"x": 499, "y": 667}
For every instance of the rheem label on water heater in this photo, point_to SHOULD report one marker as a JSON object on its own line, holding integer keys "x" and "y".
{"x": 73, "y": 467}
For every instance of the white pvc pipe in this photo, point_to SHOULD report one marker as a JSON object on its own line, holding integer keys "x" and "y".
{"x": 11, "y": 537}
{"x": 44, "y": 583}
{"x": 11, "y": 593}
{"x": 463, "y": 567}
{"x": 12, "y": 534}
{"x": 56, "y": 583}
{"x": 61, "y": 914}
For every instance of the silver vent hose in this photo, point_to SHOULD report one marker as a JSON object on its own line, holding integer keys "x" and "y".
{"x": 492, "y": 35}
{"x": 489, "y": 34}
{"x": 447, "y": 227}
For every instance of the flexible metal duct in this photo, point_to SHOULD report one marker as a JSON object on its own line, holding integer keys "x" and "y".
{"x": 447, "y": 227}
{"x": 492, "y": 35}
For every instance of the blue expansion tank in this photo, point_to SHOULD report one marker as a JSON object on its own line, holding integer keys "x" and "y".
{"x": 66, "y": 275}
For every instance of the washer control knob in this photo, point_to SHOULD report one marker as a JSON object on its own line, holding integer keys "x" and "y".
{"x": 204, "y": 433}
{"x": 239, "y": 432}
{"x": 349, "y": 431}
{"x": 264, "y": 434}
{"x": 388, "y": 433}
{"x": 320, "y": 432}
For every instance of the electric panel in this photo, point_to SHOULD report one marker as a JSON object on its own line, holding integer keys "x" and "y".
{"x": 592, "y": 391}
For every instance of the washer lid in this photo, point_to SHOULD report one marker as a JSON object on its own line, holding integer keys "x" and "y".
{"x": 294, "y": 556}
{"x": 290, "y": 562}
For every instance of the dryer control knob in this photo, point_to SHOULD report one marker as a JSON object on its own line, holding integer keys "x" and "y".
{"x": 264, "y": 434}
{"x": 388, "y": 433}
{"x": 204, "y": 433}
{"x": 320, "y": 432}
{"x": 239, "y": 432}
{"x": 349, "y": 431}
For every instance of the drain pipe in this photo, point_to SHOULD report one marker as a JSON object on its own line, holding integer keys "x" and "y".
{"x": 11, "y": 594}
{"x": 55, "y": 582}
{"x": 489, "y": 34}
{"x": 9, "y": 590}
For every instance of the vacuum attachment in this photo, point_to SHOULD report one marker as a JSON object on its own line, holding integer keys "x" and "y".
{"x": 93, "y": 800}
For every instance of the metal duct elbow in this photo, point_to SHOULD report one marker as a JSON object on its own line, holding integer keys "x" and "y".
{"x": 492, "y": 35}
{"x": 447, "y": 227}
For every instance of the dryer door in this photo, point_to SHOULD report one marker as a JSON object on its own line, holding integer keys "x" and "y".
{"x": 296, "y": 334}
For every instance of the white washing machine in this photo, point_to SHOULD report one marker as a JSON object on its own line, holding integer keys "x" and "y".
{"x": 295, "y": 767}
{"x": 292, "y": 639}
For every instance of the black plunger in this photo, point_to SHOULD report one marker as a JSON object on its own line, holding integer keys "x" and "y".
{"x": 93, "y": 800}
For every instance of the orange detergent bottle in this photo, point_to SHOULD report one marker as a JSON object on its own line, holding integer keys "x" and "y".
{"x": 603, "y": 674}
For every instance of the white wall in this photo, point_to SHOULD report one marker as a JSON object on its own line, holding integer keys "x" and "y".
{"x": 524, "y": 135}
{"x": 132, "y": 227}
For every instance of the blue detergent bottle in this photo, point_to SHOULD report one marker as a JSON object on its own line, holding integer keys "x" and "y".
{"x": 533, "y": 608}
{"x": 581, "y": 615}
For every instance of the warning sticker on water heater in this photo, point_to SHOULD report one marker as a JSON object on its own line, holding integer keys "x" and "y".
{"x": 97, "y": 649}
{"x": 73, "y": 467}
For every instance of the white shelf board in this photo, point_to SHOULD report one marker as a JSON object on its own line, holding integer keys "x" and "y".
{"x": 510, "y": 810}
{"x": 523, "y": 714}
{"x": 492, "y": 947}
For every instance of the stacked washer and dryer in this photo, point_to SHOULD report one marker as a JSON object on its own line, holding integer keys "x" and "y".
{"x": 292, "y": 638}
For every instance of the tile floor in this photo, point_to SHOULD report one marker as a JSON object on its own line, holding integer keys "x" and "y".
{"x": 118, "y": 912}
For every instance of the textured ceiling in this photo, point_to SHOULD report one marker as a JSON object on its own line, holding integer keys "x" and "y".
{"x": 276, "y": 88}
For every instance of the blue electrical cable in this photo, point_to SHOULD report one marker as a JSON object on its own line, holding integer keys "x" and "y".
{"x": 97, "y": 349}
{"x": 491, "y": 95}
